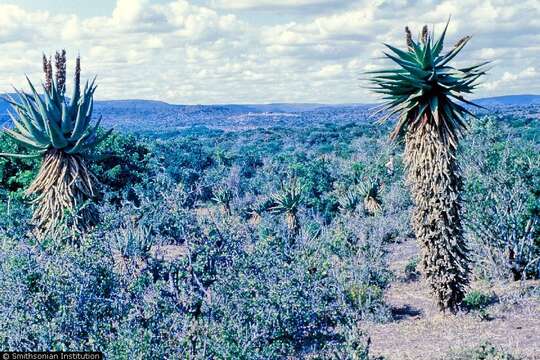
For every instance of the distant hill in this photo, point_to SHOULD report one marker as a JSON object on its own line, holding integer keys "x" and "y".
{"x": 520, "y": 100}
{"x": 158, "y": 116}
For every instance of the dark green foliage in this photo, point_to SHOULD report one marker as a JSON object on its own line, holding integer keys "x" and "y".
{"x": 477, "y": 300}
{"x": 15, "y": 173}
{"x": 121, "y": 161}
{"x": 411, "y": 269}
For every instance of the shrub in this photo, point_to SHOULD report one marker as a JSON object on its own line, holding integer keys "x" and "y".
{"x": 484, "y": 351}
{"x": 411, "y": 269}
{"x": 502, "y": 204}
{"x": 478, "y": 300}
{"x": 234, "y": 290}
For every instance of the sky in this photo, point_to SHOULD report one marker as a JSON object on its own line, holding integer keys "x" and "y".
{"x": 259, "y": 51}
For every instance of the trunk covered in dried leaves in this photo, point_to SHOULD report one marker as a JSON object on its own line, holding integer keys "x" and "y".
{"x": 62, "y": 187}
{"x": 435, "y": 181}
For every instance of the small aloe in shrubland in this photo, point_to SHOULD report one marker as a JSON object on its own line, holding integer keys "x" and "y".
{"x": 223, "y": 196}
{"x": 59, "y": 131}
{"x": 134, "y": 241}
{"x": 257, "y": 209}
{"x": 370, "y": 192}
{"x": 287, "y": 201}
{"x": 349, "y": 200}
{"x": 365, "y": 193}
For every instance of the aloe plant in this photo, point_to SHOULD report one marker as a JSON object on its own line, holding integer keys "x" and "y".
{"x": 59, "y": 130}
{"x": 287, "y": 202}
{"x": 258, "y": 208}
{"x": 223, "y": 196}
{"x": 370, "y": 192}
{"x": 348, "y": 201}
{"x": 426, "y": 94}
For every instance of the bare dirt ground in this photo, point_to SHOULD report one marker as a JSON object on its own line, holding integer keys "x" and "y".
{"x": 420, "y": 331}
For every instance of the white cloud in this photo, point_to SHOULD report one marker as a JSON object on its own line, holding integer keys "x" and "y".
{"x": 511, "y": 79}
{"x": 128, "y": 12}
{"x": 220, "y": 52}
{"x": 272, "y": 4}
{"x": 330, "y": 71}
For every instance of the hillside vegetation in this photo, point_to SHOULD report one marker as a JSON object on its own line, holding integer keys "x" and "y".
{"x": 270, "y": 243}
{"x": 154, "y": 118}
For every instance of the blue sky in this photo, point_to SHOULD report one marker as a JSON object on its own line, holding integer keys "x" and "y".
{"x": 258, "y": 51}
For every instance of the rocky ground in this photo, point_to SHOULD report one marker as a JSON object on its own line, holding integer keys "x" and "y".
{"x": 511, "y": 322}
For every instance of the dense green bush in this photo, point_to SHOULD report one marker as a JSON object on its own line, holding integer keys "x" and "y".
{"x": 478, "y": 300}
{"x": 15, "y": 174}
{"x": 502, "y": 202}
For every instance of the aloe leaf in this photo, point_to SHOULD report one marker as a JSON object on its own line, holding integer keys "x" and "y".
{"x": 79, "y": 145}
{"x": 26, "y": 128}
{"x": 55, "y": 97}
{"x": 89, "y": 112}
{"x": 41, "y": 107}
{"x": 462, "y": 110}
{"x": 427, "y": 59}
{"x": 19, "y": 126}
{"x": 98, "y": 122}
{"x": 434, "y": 107}
{"x": 392, "y": 71}
{"x": 470, "y": 68}
{"x": 27, "y": 122}
{"x": 66, "y": 120}
{"x": 80, "y": 122}
{"x": 23, "y": 156}
{"x": 402, "y": 54}
{"x": 438, "y": 46}
{"x": 417, "y": 51}
{"x": 461, "y": 98}
{"x": 58, "y": 140}
{"x": 24, "y": 140}
{"x": 29, "y": 102}
{"x": 446, "y": 58}
{"x": 422, "y": 108}
{"x": 73, "y": 102}
{"x": 55, "y": 114}
{"x": 451, "y": 114}
{"x": 12, "y": 102}
{"x": 410, "y": 67}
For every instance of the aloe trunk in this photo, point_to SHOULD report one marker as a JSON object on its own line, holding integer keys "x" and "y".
{"x": 63, "y": 185}
{"x": 435, "y": 183}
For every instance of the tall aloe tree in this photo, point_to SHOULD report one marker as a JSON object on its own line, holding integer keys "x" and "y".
{"x": 426, "y": 93}
{"x": 59, "y": 130}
